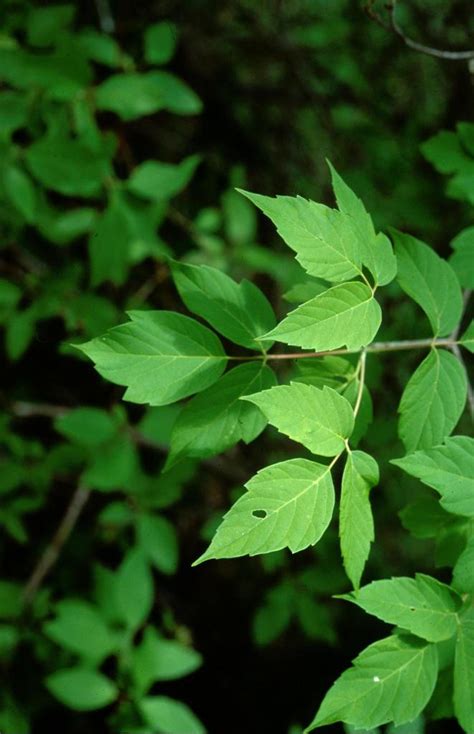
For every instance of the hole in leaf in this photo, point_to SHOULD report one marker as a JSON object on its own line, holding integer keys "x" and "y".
{"x": 259, "y": 513}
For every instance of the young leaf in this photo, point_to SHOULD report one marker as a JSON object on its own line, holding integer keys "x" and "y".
{"x": 288, "y": 505}
{"x": 157, "y": 659}
{"x": 169, "y": 716}
{"x": 319, "y": 419}
{"x": 464, "y": 672}
{"x": 356, "y": 525}
{"x": 345, "y": 315}
{"x": 160, "y": 356}
{"x": 238, "y": 311}
{"x": 82, "y": 689}
{"x": 448, "y": 469}
{"x": 376, "y": 250}
{"x": 432, "y": 401}
{"x": 134, "y": 589}
{"x": 79, "y": 627}
{"x": 392, "y": 680}
{"x": 216, "y": 419}
{"x": 430, "y": 281}
{"x": 324, "y": 239}
{"x": 463, "y": 572}
{"x": 423, "y": 606}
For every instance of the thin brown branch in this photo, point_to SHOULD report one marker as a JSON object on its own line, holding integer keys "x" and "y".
{"x": 394, "y": 26}
{"x": 54, "y": 548}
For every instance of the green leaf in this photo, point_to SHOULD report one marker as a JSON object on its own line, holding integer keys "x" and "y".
{"x": 238, "y": 311}
{"x": 21, "y": 192}
{"x": 100, "y": 47}
{"x": 335, "y": 372}
{"x": 10, "y": 294}
{"x": 160, "y": 42}
{"x": 13, "y": 112}
{"x": 463, "y": 572}
{"x": 433, "y": 401}
{"x": 160, "y": 356}
{"x": 423, "y": 606}
{"x": 464, "y": 672}
{"x": 134, "y": 590}
{"x": 392, "y": 680}
{"x": 430, "y": 281}
{"x": 111, "y": 465}
{"x": 376, "y": 250}
{"x": 319, "y": 419}
{"x": 288, "y": 505}
{"x": 67, "y": 166}
{"x": 345, "y": 315}
{"x": 158, "y": 181}
{"x": 64, "y": 227}
{"x": 425, "y": 517}
{"x": 448, "y": 469}
{"x": 81, "y": 689}
{"x": 156, "y": 537}
{"x": 462, "y": 260}
{"x": 176, "y": 95}
{"x": 216, "y": 419}
{"x": 86, "y": 426}
{"x": 445, "y": 152}
{"x": 78, "y": 627}
{"x": 157, "y": 659}
{"x": 356, "y": 525}
{"x": 467, "y": 339}
{"x": 324, "y": 239}
{"x": 169, "y": 716}
{"x": 109, "y": 245}
{"x": 44, "y": 25}
{"x": 10, "y": 599}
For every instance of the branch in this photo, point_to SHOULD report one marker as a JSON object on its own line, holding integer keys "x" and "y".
{"x": 394, "y": 26}
{"x": 53, "y": 550}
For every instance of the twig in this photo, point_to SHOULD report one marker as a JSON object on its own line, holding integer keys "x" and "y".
{"x": 394, "y": 26}
{"x": 54, "y": 548}
{"x": 360, "y": 391}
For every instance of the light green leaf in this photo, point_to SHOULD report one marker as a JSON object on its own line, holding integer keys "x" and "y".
{"x": 157, "y": 659}
{"x": 356, "y": 524}
{"x": 462, "y": 260}
{"x": 169, "y": 716}
{"x": 423, "y": 606}
{"x": 288, "y": 505}
{"x": 216, "y": 419}
{"x": 100, "y": 47}
{"x": 160, "y": 42}
{"x": 238, "y": 311}
{"x": 111, "y": 465}
{"x": 335, "y": 372}
{"x": 392, "y": 680}
{"x": 160, "y": 356}
{"x": 376, "y": 250}
{"x": 325, "y": 240}
{"x": 156, "y": 537}
{"x": 130, "y": 95}
{"x": 86, "y": 426}
{"x": 134, "y": 590}
{"x": 79, "y": 627}
{"x": 64, "y": 227}
{"x": 448, "y": 469}
{"x": 463, "y": 572}
{"x": 433, "y": 401}
{"x": 345, "y": 315}
{"x": 464, "y": 672}
{"x": 176, "y": 95}
{"x": 81, "y": 689}
{"x": 67, "y": 166}
{"x": 158, "y": 181}
{"x": 467, "y": 339}
{"x": 319, "y": 419}
{"x": 21, "y": 192}
{"x": 445, "y": 152}
{"x": 430, "y": 281}
{"x": 109, "y": 245}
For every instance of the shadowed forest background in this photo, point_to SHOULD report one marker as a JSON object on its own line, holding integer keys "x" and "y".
{"x": 261, "y": 94}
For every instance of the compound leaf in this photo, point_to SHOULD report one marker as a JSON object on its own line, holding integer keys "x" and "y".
{"x": 392, "y": 680}
{"x": 319, "y": 419}
{"x": 288, "y": 505}
{"x": 160, "y": 356}
{"x": 345, "y": 315}
{"x": 356, "y": 524}
{"x": 432, "y": 401}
